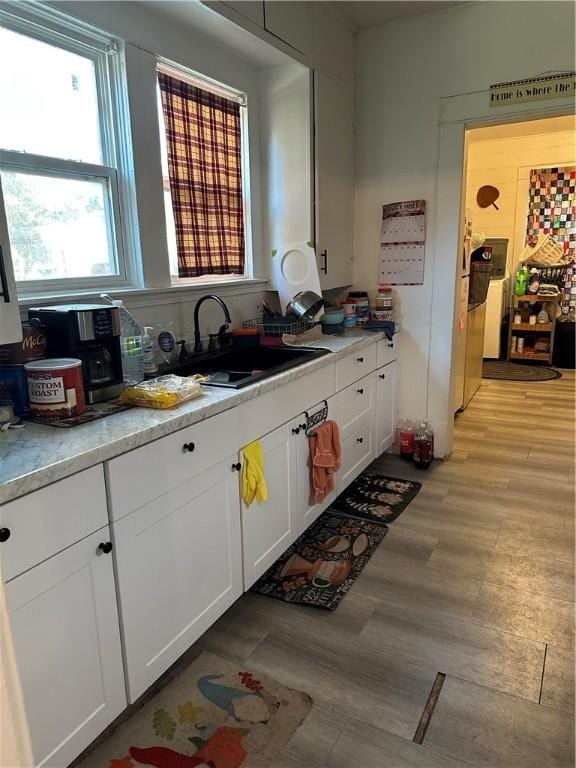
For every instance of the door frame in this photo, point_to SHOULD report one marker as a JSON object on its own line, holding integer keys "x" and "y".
{"x": 456, "y": 115}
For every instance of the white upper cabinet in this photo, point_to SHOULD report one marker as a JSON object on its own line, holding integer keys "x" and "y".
{"x": 333, "y": 42}
{"x": 64, "y": 622}
{"x": 10, "y": 327}
{"x": 334, "y": 156}
{"x": 250, "y": 9}
{"x": 291, "y": 22}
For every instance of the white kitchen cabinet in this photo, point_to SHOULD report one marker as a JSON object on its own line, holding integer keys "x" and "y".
{"x": 290, "y": 22}
{"x": 10, "y": 326}
{"x": 308, "y": 510}
{"x": 64, "y": 622}
{"x": 357, "y": 453}
{"x": 334, "y": 178}
{"x": 179, "y": 567}
{"x": 385, "y": 407}
{"x": 269, "y": 528}
{"x": 250, "y": 9}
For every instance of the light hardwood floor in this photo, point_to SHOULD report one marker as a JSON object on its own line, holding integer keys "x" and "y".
{"x": 475, "y": 580}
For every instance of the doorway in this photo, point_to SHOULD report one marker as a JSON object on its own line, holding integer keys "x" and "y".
{"x": 520, "y": 193}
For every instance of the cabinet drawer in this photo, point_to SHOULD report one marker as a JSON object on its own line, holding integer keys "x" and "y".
{"x": 356, "y": 404}
{"x": 357, "y": 453}
{"x": 355, "y": 366}
{"x": 49, "y": 520}
{"x": 144, "y": 474}
{"x": 387, "y": 351}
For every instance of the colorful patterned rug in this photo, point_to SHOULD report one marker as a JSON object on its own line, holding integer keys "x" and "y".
{"x": 215, "y": 714}
{"x": 323, "y": 564}
{"x": 376, "y": 497}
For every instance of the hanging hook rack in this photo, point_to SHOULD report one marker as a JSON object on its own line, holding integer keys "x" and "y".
{"x": 312, "y": 421}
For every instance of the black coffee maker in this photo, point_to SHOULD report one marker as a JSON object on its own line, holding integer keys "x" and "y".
{"x": 91, "y": 333}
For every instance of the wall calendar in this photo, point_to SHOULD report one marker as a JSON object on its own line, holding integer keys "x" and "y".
{"x": 402, "y": 243}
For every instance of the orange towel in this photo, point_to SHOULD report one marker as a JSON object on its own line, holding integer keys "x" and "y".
{"x": 325, "y": 455}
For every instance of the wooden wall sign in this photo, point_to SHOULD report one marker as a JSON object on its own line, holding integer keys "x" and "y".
{"x": 535, "y": 89}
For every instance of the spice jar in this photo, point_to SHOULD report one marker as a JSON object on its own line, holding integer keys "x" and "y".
{"x": 383, "y": 298}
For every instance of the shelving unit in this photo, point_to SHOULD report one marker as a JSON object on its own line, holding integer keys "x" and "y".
{"x": 533, "y": 332}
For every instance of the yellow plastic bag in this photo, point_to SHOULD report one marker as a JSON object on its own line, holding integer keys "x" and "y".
{"x": 163, "y": 391}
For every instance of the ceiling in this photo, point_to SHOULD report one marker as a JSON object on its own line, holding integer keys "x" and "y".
{"x": 360, "y": 13}
{"x": 525, "y": 128}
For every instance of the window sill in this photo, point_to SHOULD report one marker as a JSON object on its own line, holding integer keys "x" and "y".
{"x": 144, "y": 297}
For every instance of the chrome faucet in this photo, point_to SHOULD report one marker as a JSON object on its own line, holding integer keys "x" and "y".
{"x": 223, "y": 328}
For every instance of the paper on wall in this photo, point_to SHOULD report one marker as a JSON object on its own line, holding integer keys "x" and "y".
{"x": 402, "y": 243}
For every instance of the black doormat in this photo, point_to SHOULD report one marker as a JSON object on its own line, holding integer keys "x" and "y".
{"x": 376, "y": 497}
{"x": 500, "y": 369}
{"x": 323, "y": 564}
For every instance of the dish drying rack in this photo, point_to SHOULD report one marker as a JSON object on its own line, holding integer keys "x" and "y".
{"x": 275, "y": 326}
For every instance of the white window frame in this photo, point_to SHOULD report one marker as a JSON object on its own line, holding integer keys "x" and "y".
{"x": 198, "y": 80}
{"x": 53, "y": 27}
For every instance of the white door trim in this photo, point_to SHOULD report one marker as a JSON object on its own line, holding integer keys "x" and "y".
{"x": 457, "y": 113}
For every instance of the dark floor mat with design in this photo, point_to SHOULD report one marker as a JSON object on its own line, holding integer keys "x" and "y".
{"x": 376, "y": 497}
{"x": 500, "y": 369}
{"x": 323, "y": 564}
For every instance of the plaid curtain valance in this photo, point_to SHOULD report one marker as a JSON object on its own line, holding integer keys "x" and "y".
{"x": 205, "y": 171}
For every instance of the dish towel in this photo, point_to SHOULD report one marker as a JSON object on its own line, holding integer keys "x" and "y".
{"x": 325, "y": 459}
{"x": 253, "y": 480}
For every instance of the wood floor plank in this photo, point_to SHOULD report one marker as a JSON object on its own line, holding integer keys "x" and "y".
{"x": 479, "y": 654}
{"x": 538, "y": 617}
{"x": 558, "y": 680}
{"x": 364, "y": 746}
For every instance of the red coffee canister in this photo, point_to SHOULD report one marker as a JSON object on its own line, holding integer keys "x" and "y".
{"x": 56, "y": 388}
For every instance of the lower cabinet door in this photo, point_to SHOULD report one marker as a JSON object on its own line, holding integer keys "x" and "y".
{"x": 357, "y": 453}
{"x": 178, "y": 562}
{"x": 269, "y": 528}
{"x": 64, "y": 620}
{"x": 385, "y": 407}
{"x": 308, "y": 509}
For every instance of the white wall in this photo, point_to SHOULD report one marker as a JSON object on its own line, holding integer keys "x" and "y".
{"x": 403, "y": 70}
{"x": 506, "y": 164}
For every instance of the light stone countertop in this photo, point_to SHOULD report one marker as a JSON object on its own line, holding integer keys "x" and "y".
{"x": 38, "y": 455}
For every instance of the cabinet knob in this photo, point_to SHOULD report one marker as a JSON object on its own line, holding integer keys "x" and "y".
{"x": 106, "y": 547}
{"x": 359, "y": 439}
{"x": 391, "y": 344}
{"x": 302, "y": 427}
{"x": 188, "y": 447}
{"x": 296, "y": 431}
{"x": 360, "y": 391}
{"x": 382, "y": 376}
{"x": 236, "y": 467}
{"x": 359, "y": 359}
{"x": 4, "y": 534}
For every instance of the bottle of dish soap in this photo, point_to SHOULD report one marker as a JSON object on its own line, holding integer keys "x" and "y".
{"x": 130, "y": 343}
{"x": 150, "y": 364}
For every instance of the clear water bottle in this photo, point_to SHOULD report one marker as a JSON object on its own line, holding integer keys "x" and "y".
{"x": 130, "y": 344}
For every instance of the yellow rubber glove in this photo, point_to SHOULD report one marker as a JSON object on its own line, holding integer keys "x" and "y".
{"x": 253, "y": 479}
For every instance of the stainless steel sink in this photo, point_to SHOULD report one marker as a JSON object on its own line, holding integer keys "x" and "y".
{"x": 235, "y": 369}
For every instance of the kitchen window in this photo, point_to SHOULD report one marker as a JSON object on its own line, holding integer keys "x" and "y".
{"x": 63, "y": 154}
{"x": 204, "y": 168}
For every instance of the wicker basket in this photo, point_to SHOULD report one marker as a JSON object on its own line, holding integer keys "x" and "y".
{"x": 546, "y": 253}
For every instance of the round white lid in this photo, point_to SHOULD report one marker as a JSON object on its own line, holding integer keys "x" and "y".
{"x": 58, "y": 363}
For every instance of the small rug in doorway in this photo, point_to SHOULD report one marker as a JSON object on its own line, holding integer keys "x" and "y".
{"x": 214, "y": 714}
{"x": 501, "y": 369}
{"x": 376, "y": 497}
{"x": 323, "y": 564}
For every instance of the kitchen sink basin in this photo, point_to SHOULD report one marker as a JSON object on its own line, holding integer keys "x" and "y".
{"x": 238, "y": 368}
